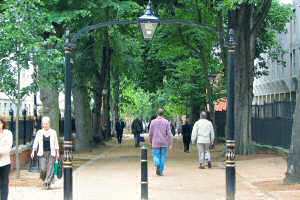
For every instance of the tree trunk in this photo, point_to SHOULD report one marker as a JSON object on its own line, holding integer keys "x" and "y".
{"x": 100, "y": 81}
{"x": 17, "y": 125}
{"x": 195, "y": 109}
{"x": 105, "y": 114}
{"x": 244, "y": 77}
{"x": 115, "y": 98}
{"x": 49, "y": 98}
{"x": 83, "y": 121}
{"x": 293, "y": 170}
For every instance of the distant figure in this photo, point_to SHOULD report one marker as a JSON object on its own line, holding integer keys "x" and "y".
{"x": 152, "y": 118}
{"x": 160, "y": 137}
{"x": 47, "y": 148}
{"x": 137, "y": 129}
{"x": 172, "y": 128}
{"x": 203, "y": 134}
{"x": 6, "y": 141}
{"x": 186, "y": 135}
{"x": 120, "y": 125}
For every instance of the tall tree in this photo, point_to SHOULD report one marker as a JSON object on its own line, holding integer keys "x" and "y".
{"x": 293, "y": 169}
{"x": 252, "y": 20}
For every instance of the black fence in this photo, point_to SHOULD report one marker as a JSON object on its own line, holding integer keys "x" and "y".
{"x": 272, "y": 131}
{"x": 283, "y": 109}
{"x": 26, "y": 129}
{"x": 220, "y": 119}
{"x": 271, "y": 123}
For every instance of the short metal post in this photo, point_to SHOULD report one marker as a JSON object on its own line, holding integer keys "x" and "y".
{"x": 144, "y": 173}
{"x": 24, "y": 112}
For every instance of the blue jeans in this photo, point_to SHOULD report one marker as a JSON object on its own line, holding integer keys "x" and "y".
{"x": 159, "y": 157}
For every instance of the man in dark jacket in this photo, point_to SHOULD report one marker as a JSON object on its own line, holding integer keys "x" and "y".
{"x": 187, "y": 129}
{"x": 120, "y": 125}
{"x": 137, "y": 129}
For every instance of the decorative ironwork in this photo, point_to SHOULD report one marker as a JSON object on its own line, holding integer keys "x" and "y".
{"x": 86, "y": 30}
{"x": 230, "y": 153}
{"x": 68, "y": 154}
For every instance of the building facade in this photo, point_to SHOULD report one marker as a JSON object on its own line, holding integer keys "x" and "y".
{"x": 282, "y": 80}
{"x": 28, "y": 103}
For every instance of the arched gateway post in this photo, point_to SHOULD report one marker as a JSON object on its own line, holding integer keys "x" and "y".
{"x": 148, "y": 23}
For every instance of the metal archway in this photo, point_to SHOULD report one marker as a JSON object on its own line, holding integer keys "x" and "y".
{"x": 69, "y": 47}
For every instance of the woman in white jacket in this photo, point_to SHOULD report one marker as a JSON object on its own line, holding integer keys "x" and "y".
{"x": 6, "y": 141}
{"x": 47, "y": 148}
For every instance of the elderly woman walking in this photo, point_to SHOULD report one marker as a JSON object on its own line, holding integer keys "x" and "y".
{"x": 6, "y": 141}
{"x": 47, "y": 148}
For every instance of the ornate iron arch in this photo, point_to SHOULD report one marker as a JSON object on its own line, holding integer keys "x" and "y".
{"x": 82, "y": 32}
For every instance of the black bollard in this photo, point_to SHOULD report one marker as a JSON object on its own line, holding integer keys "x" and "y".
{"x": 144, "y": 173}
{"x": 24, "y": 112}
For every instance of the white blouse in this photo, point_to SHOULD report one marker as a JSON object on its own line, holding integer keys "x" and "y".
{"x": 6, "y": 142}
{"x": 38, "y": 142}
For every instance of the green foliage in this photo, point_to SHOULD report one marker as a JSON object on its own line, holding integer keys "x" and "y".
{"x": 19, "y": 37}
{"x": 135, "y": 101}
{"x": 170, "y": 71}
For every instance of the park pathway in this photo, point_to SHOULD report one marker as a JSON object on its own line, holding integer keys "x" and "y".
{"x": 114, "y": 174}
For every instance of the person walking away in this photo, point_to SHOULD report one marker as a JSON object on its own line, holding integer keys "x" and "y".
{"x": 160, "y": 137}
{"x": 186, "y": 135}
{"x": 6, "y": 141}
{"x": 137, "y": 129}
{"x": 120, "y": 125}
{"x": 173, "y": 131}
{"x": 47, "y": 148}
{"x": 203, "y": 134}
{"x": 152, "y": 118}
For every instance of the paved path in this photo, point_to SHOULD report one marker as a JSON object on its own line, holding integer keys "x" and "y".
{"x": 115, "y": 174}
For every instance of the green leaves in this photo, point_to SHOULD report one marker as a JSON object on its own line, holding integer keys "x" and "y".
{"x": 19, "y": 35}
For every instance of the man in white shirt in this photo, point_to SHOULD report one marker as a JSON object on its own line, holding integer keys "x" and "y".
{"x": 203, "y": 134}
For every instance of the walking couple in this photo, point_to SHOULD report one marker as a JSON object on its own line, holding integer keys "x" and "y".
{"x": 160, "y": 136}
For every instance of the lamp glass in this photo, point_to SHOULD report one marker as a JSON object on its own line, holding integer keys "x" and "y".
{"x": 148, "y": 29}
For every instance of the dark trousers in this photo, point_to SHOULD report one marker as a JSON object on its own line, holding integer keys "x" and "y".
{"x": 186, "y": 143}
{"x": 137, "y": 139}
{"x": 119, "y": 136}
{"x": 4, "y": 180}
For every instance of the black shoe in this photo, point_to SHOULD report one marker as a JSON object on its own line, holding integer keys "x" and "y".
{"x": 158, "y": 171}
{"x": 201, "y": 166}
{"x": 209, "y": 164}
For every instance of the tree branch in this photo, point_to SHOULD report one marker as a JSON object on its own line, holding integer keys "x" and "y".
{"x": 186, "y": 43}
{"x": 261, "y": 15}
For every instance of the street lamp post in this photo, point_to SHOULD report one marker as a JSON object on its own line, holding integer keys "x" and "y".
{"x": 148, "y": 23}
{"x": 68, "y": 155}
{"x": 230, "y": 140}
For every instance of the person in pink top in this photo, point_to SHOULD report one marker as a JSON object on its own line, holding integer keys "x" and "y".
{"x": 160, "y": 137}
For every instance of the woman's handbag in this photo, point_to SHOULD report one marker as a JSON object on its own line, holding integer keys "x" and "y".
{"x": 58, "y": 169}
